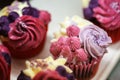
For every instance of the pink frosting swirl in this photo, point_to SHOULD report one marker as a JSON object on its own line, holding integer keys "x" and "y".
{"x": 73, "y": 43}
{"x": 80, "y": 55}
{"x": 26, "y": 33}
{"x": 66, "y": 53}
{"x": 68, "y": 47}
{"x": 56, "y": 47}
{"x": 94, "y": 40}
{"x": 45, "y": 17}
{"x": 108, "y": 13}
{"x": 48, "y": 75}
{"x": 73, "y": 31}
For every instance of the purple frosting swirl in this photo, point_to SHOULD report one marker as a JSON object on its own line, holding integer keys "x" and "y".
{"x": 94, "y": 40}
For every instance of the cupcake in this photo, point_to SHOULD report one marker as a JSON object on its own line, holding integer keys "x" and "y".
{"x": 5, "y": 63}
{"x": 83, "y": 44}
{"x": 46, "y": 69}
{"x": 105, "y": 13}
{"x": 23, "y": 29}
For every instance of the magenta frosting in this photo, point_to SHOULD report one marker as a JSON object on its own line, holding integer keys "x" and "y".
{"x": 49, "y": 75}
{"x": 81, "y": 56}
{"x": 45, "y": 17}
{"x": 56, "y": 47}
{"x": 108, "y": 13}
{"x": 73, "y": 43}
{"x": 94, "y": 41}
{"x": 69, "y": 48}
{"x": 73, "y": 30}
{"x": 26, "y": 33}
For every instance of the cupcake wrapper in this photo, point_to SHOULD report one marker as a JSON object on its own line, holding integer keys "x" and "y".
{"x": 84, "y": 71}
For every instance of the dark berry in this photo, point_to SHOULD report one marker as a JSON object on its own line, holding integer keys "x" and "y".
{"x": 23, "y": 0}
{"x": 70, "y": 77}
{"x": 7, "y": 57}
{"x": 30, "y": 11}
{"x": 93, "y": 4}
{"x": 88, "y": 13}
{"x": 22, "y": 76}
{"x": 4, "y": 20}
{"x": 4, "y": 25}
{"x": 61, "y": 70}
{"x": 12, "y": 16}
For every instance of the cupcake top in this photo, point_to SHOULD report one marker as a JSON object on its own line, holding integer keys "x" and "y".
{"x": 43, "y": 68}
{"x": 5, "y": 63}
{"x": 23, "y": 25}
{"x": 18, "y": 9}
{"x": 106, "y": 12}
{"x": 81, "y": 41}
{"x": 26, "y": 32}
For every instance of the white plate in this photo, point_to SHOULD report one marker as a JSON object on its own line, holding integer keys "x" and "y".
{"x": 59, "y": 10}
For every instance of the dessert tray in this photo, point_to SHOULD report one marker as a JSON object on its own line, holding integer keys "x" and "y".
{"x": 59, "y": 9}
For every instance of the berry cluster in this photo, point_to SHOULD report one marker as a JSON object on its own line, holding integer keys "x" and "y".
{"x": 69, "y": 47}
{"x": 5, "y": 21}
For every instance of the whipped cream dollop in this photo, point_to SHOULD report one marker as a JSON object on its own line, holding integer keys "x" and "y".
{"x": 108, "y": 13}
{"x": 26, "y": 33}
{"x": 94, "y": 41}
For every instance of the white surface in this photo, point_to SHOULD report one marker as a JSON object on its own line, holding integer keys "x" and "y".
{"x": 59, "y": 10}
{"x": 108, "y": 62}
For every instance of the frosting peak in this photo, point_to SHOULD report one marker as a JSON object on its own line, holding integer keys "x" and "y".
{"x": 25, "y": 32}
{"x": 94, "y": 40}
{"x": 108, "y": 13}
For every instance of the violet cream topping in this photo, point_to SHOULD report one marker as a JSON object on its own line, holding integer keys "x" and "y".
{"x": 94, "y": 41}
